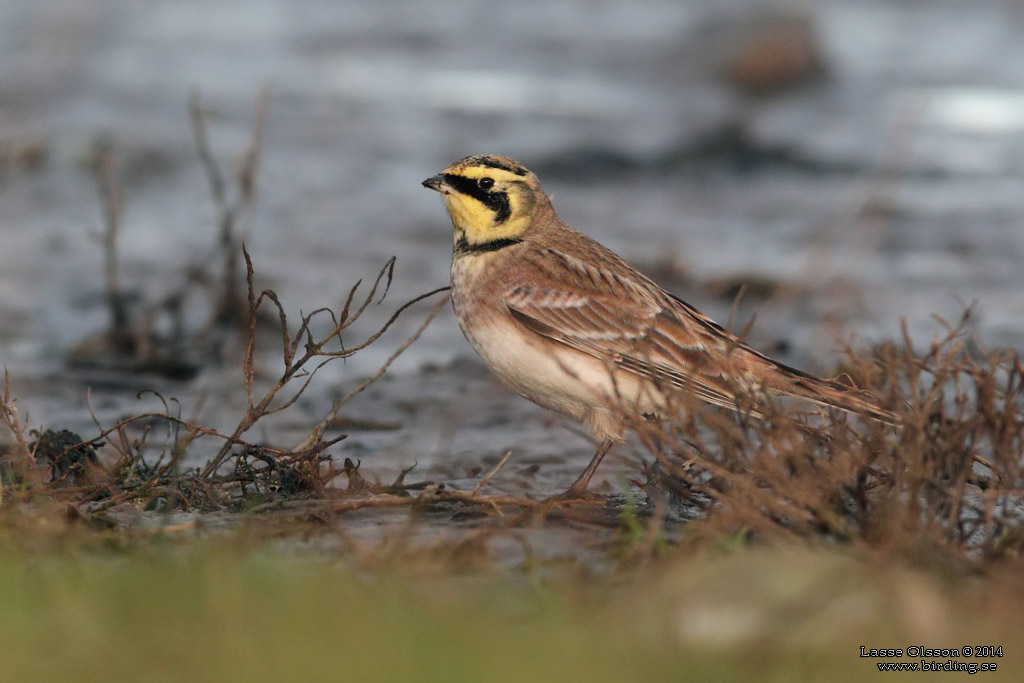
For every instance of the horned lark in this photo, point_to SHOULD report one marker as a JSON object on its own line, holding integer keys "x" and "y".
{"x": 574, "y": 328}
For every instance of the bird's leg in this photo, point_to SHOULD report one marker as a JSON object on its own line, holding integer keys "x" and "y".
{"x": 578, "y": 490}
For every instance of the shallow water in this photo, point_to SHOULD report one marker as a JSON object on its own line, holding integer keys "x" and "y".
{"x": 889, "y": 189}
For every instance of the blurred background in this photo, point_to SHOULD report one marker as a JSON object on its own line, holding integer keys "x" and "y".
{"x": 845, "y": 164}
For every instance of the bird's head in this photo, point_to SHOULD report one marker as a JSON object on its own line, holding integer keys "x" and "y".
{"x": 489, "y": 198}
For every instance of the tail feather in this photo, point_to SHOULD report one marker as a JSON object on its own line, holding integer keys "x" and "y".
{"x": 793, "y": 382}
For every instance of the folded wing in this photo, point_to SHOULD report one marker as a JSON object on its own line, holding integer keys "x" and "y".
{"x": 618, "y": 316}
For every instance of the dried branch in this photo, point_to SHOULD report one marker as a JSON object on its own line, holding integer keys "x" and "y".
{"x": 487, "y": 477}
{"x": 21, "y": 455}
{"x": 113, "y": 210}
{"x": 231, "y": 211}
{"x": 331, "y": 416}
{"x": 313, "y": 358}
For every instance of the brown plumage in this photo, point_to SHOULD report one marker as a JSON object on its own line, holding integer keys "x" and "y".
{"x": 575, "y": 328}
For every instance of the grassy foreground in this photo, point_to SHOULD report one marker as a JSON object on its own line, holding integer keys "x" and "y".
{"x": 237, "y": 610}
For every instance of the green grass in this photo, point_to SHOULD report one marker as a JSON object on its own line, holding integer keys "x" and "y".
{"x": 217, "y": 616}
{"x": 227, "y": 611}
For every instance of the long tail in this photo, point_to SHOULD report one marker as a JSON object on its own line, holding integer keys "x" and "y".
{"x": 793, "y": 382}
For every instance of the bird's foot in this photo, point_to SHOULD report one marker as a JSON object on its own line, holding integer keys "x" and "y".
{"x": 575, "y": 494}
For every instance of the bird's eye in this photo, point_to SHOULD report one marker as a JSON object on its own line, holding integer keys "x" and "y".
{"x": 485, "y": 183}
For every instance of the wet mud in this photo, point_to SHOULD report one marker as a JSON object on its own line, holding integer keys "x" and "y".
{"x": 870, "y": 178}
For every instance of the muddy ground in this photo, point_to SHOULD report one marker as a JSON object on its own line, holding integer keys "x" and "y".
{"x": 883, "y": 184}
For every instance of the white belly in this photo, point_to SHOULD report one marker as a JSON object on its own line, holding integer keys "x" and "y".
{"x": 557, "y": 377}
{"x": 551, "y": 375}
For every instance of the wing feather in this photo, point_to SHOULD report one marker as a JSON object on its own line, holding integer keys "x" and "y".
{"x": 620, "y": 317}
{"x": 624, "y": 322}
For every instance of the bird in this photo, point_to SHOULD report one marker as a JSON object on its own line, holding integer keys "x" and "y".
{"x": 573, "y": 327}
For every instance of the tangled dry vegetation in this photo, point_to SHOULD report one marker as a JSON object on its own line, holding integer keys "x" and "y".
{"x": 945, "y": 485}
{"x": 60, "y": 465}
{"x": 155, "y": 338}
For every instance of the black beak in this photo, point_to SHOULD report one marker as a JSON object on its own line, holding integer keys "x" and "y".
{"x": 434, "y": 182}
